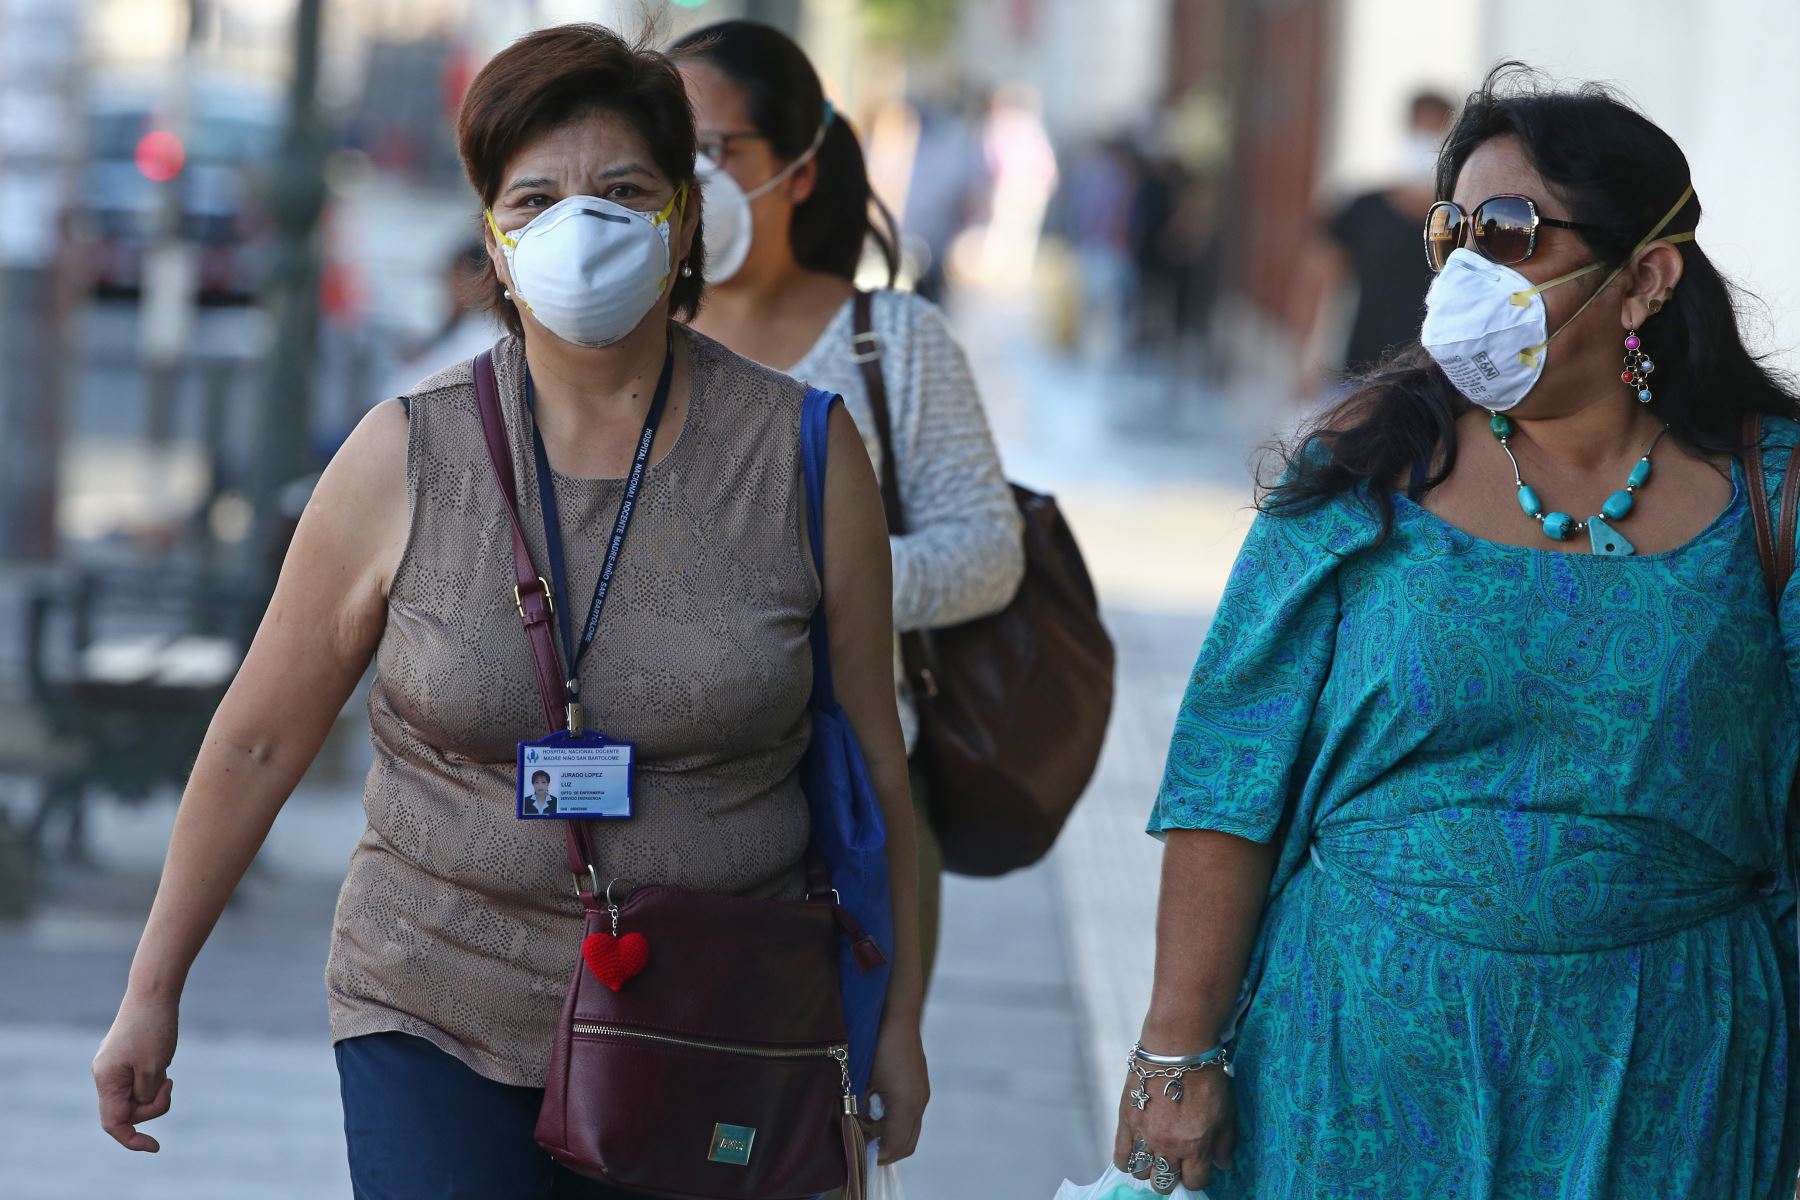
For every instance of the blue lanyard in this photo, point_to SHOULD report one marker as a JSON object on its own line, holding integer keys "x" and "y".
{"x": 634, "y": 483}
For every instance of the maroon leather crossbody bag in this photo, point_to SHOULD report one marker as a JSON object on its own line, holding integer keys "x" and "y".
{"x": 702, "y": 1051}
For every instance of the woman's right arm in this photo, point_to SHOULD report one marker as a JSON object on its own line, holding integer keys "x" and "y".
{"x": 315, "y": 640}
{"x": 1213, "y": 886}
{"x": 1233, "y": 793}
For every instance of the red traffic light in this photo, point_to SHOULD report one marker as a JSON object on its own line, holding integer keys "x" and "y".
{"x": 159, "y": 155}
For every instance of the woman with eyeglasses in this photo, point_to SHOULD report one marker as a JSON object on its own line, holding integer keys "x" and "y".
{"x": 788, "y": 218}
{"x": 1477, "y": 876}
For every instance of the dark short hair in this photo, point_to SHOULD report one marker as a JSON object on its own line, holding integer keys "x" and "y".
{"x": 787, "y": 105}
{"x": 543, "y": 775}
{"x": 560, "y": 74}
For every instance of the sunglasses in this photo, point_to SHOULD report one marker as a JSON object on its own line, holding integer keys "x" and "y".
{"x": 1502, "y": 229}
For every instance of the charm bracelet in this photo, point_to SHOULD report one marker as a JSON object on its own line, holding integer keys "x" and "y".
{"x": 1173, "y": 1068}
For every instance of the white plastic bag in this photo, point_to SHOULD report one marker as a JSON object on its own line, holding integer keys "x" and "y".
{"x": 884, "y": 1182}
{"x": 1117, "y": 1185}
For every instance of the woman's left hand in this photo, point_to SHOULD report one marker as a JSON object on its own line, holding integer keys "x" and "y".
{"x": 900, "y": 1079}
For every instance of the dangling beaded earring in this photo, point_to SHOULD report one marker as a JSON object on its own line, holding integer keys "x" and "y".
{"x": 1638, "y": 366}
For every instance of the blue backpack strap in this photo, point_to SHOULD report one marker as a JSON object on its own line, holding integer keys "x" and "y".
{"x": 815, "y": 432}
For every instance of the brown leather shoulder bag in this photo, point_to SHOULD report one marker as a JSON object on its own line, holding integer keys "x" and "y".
{"x": 719, "y": 1070}
{"x": 1012, "y": 707}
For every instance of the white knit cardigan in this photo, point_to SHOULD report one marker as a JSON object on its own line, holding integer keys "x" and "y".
{"x": 961, "y": 556}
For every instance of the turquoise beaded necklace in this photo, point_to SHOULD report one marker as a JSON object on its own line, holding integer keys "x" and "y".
{"x": 1558, "y": 526}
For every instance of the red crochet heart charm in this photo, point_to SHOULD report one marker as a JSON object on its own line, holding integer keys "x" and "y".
{"x": 615, "y": 960}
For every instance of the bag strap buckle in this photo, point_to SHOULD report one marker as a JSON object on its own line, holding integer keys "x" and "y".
{"x": 543, "y": 590}
{"x": 865, "y": 346}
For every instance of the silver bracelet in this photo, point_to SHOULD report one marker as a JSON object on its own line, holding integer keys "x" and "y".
{"x": 1177, "y": 1060}
{"x": 1174, "y": 1069}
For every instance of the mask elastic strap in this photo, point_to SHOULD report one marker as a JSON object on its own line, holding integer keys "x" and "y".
{"x": 1522, "y": 298}
{"x": 811, "y": 152}
{"x": 680, "y": 197}
{"x": 662, "y": 218}
{"x": 1531, "y": 355}
{"x": 504, "y": 239}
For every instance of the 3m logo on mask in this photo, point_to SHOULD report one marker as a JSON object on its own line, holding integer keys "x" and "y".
{"x": 1486, "y": 364}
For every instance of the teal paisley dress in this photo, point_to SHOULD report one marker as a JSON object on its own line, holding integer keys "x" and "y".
{"x": 1530, "y": 934}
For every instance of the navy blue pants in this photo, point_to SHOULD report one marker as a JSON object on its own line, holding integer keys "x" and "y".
{"x": 422, "y": 1126}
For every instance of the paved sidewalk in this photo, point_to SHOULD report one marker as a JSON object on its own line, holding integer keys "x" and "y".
{"x": 256, "y": 1104}
{"x": 1155, "y": 478}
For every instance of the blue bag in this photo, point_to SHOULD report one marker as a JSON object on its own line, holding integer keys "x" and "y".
{"x": 848, "y": 829}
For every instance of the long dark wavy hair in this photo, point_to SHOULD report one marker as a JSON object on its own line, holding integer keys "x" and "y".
{"x": 1618, "y": 173}
{"x": 787, "y": 105}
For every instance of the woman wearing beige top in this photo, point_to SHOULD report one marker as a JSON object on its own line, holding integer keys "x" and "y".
{"x": 456, "y": 931}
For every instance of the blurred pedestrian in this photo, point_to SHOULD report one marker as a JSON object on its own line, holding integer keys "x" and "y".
{"x": 457, "y": 931}
{"x": 1479, "y": 861}
{"x": 792, "y": 302}
{"x": 1021, "y": 168}
{"x": 1096, "y": 217}
{"x": 945, "y": 185}
{"x": 1176, "y": 230}
{"x": 467, "y": 327}
{"x": 1369, "y": 247}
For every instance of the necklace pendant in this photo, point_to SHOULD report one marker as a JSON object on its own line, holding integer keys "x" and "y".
{"x": 1607, "y": 540}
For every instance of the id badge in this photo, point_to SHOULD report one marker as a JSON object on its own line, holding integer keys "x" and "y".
{"x": 583, "y": 775}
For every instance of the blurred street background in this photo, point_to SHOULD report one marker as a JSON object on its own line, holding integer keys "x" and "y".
{"x": 226, "y": 230}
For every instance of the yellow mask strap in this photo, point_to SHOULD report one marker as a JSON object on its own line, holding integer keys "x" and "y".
{"x": 505, "y": 240}
{"x": 1522, "y": 298}
{"x": 680, "y": 197}
{"x": 1532, "y": 354}
{"x": 661, "y": 217}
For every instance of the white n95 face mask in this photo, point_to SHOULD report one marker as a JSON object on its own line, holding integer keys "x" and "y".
{"x": 729, "y": 225}
{"x": 727, "y": 220}
{"x": 1485, "y": 324}
{"x": 589, "y": 269}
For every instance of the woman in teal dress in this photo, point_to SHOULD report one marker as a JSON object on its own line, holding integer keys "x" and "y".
{"x": 1477, "y": 868}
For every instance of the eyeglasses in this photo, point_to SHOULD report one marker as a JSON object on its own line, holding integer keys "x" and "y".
{"x": 717, "y": 146}
{"x": 1502, "y": 229}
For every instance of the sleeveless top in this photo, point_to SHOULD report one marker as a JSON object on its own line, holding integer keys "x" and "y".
{"x": 458, "y": 921}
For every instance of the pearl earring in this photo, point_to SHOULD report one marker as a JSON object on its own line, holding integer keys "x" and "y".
{"x": 687, "y": 270}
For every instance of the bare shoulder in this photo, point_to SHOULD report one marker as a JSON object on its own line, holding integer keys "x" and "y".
{"x": 359, "y": 512}
{"x": 846, "y": 449}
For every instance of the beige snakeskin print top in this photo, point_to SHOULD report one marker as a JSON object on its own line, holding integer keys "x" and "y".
{"x": 457, "y": 921}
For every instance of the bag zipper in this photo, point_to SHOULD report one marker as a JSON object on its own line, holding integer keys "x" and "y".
{"x": 840, "y": 1053}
